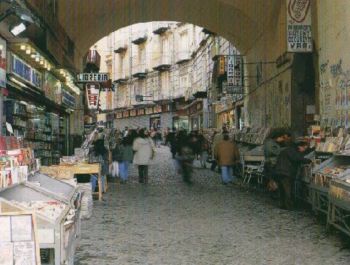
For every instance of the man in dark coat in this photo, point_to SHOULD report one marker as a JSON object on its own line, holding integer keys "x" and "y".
{"x": 286, "y": 170}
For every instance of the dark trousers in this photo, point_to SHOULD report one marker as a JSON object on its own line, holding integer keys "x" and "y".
{"x": 285, "y": 185}
{"x": 143, "y": 174}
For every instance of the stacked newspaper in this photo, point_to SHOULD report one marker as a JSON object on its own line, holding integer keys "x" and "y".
{"x": 86, "y": 201}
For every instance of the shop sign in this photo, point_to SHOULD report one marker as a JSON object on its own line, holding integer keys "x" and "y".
{"x": 24, "y": 71}
{"x": 126, "y": 114}
{"x": 299, "y": 30}
{"x": 157, "y": 109}
{"x": 140, "y": 112}
{"x": 92, "y": 77}
{"x": 149, "y": 110}
{"x": 221, "y": 68}
{"x": 2, "y": 63}
{"x": 234, "y": 85}
{"x": 92, "y": 95}
{"x": 119, "y": 115}
{"x": 132, "y": 113}
{"x": 68, "y": 99}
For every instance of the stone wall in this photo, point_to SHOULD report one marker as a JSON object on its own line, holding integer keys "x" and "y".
{"x": 334, "y": 61}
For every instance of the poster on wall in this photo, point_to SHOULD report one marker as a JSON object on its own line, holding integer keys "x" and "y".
{"x": 299, "y": 30}
{"x": 2, "y": 63}
{"x": 92, "y": 95}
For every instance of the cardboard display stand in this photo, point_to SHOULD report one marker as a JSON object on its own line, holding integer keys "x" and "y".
{"x": 18, "y": 241}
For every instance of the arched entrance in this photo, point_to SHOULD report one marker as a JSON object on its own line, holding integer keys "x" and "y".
{"x": 240, "y": 22}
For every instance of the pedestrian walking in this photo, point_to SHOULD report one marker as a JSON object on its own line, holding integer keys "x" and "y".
{"x": 217, "y": 137}
{"x": 227, "y": 155}
{"x": 185, "y": 156}
{"x": 126, "y": 158}
{"x": 116, "y": 158}
{"x": 287, "y": 166}
{"x": 144, "y": 153}
{"x": 171, "y": 141}
{"x": 204, "y": 150}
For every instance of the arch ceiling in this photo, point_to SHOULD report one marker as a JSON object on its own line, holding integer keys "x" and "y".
{"x": 239, "y": 21}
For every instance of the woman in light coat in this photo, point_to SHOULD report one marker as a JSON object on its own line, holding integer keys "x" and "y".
{"x": 144, "y": 152}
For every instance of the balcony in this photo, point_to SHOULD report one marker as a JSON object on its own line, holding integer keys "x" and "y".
{"x": 93, "y": 61}
{"x": 122, "y": 78}
{"x": 140, "y": 71}
{"x": 139, "y": 37}
{"x": 162, "y": 63}
{"x": 183, "y": 57}
{"x": 160, "y": 28}
{"x": 121, "y": 46}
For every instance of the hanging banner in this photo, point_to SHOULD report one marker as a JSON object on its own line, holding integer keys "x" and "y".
{"x": 92, "y": 95}
{"x": 234, "y": 85}
{"x": 299, "y": 30}
{"x": 2, "y": 63}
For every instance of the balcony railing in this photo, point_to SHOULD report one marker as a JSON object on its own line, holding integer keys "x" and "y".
{"x": 162, "y": 63}
{"x": 139, "y": 37}
{"x": 121, "y": 78}
{"x": 139, "y": 70}
{"x": 183, "y": 56}
{"x": 160, "y": 27}
{"x": 121, "y": 46}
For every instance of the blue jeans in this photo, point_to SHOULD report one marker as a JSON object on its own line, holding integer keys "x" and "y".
{"x": 94, "y": 182}
{"x": 123, "y": 170}
{"x": 227, "y": 174}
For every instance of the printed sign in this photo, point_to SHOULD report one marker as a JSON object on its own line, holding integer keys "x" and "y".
{"x": 68, "y": 99}
{"x": 92, "y": 95}
{"x": 299, "y": 31}
{"x": 234, "y": 85}
{"x": 25, "y": 72}
{"x": 92, "y": 77}
{"x": 2, "y": 63}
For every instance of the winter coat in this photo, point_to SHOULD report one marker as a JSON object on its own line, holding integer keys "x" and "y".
{"x": 117, "y": 153}
{"x": 289, "y": 161}
{"x": 144, "y": 149}
{"x": 128, "y": 153}
{"x": 216, "y": 140}
{"x": 226, "y": 153}
{"x": 271, "y": 151}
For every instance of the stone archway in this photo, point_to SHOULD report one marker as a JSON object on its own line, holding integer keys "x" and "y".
{"x": 240, "y": 22}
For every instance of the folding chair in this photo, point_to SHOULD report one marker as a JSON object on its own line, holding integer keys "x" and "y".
{"x": 254, "y": 171}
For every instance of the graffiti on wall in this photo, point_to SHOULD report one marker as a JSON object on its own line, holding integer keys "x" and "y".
{"x": 334, "y": 94}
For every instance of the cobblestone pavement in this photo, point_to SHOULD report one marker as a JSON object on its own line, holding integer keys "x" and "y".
{"x": 168, "y": 222}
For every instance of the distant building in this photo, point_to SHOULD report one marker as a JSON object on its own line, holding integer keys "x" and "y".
{"x": 163, "y": 75}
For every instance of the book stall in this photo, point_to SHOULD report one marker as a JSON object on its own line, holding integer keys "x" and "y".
{"x": 19, "y": 238}
{"x": 56, "y": 204}
{"x": 329, "y": 180}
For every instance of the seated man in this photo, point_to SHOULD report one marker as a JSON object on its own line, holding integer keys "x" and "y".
{"x": 286, "y": 170}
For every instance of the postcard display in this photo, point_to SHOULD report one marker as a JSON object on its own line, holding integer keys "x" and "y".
{"x": 57, "y": 208}
{"x": 18, "y": 240}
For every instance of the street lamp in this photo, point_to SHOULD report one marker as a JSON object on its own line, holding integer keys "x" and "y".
{"x": 23, "y": 14}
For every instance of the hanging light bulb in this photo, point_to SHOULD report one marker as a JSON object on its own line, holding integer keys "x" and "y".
{"x": 37, "y": 59}
{"x": 32, "y": 55}
{"x": 28, "y": 51}
{"x": 23, "y": 47}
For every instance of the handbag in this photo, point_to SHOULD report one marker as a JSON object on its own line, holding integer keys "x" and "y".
{"x": 272, "y": 185}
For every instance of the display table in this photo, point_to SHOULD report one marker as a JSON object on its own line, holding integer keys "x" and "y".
{"x": 66, "y": 171}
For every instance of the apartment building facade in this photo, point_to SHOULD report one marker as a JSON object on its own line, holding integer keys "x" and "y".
{"x": 163, "y": 73}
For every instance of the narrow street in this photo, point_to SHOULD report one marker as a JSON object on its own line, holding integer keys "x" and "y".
{"x": 168, "y": 222}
